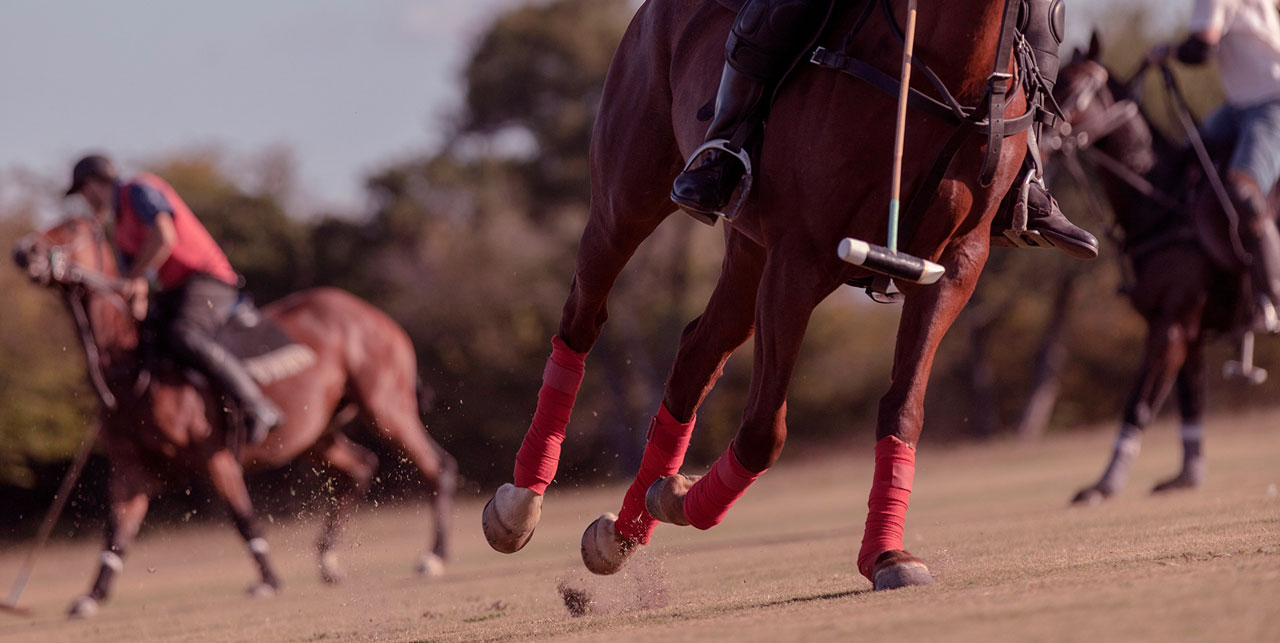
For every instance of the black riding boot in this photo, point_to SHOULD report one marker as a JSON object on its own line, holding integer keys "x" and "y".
{"x": 1262, "y": 241}
{"x": 707, "y": 188}
{"x": 206, "y": 354}
{"x": 766, "y": 38}
{"x": 1046, "y": 226}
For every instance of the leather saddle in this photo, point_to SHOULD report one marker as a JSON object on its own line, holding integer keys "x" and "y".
{"x": 268, "y": 352}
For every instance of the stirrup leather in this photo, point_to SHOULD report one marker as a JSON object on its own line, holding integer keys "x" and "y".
{"x": 739, "y": 196}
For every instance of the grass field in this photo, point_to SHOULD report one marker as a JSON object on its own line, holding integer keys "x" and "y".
{"x": 1013, "y": 562}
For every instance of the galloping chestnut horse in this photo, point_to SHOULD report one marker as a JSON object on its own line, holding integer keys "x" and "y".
{"x": 171, "y": 428}
{"x": 823, "y": 174}
{"x": 1183, "y": 289}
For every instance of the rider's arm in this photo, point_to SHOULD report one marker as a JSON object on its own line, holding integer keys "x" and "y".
{"x": 156, "y": 216}
{"x": 1207, "y": 23}
{"x": 156, "y": 248}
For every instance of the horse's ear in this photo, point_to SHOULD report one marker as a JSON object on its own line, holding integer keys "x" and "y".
{"x": 1095, "y": 47}
{"x": 1077, "y": 55}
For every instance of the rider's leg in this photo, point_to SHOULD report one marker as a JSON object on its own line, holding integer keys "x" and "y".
{"x": 765, "y": 40}
{"x": 1255, "y": 168}
{"x": 1261, "y": 240}
{"x": 1044, "y": 30}
{"x": 199, "y": 310}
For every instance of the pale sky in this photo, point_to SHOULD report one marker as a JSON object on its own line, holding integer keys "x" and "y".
{"x": 348, "y": 85}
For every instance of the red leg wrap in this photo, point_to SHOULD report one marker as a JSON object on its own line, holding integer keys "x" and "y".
{"x": 540, "y": 452}
{"x": 887, "y": 506}
{"x": 663, "y": 454}
{"x": 712, "y": 495}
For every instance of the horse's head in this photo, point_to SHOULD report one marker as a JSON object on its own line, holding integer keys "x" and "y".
{"x": 60, "y": 255}
{"x": 1091, "y": 108}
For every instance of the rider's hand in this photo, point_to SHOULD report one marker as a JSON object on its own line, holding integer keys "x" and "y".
{"x": 135, "y": 291}
{"x": 1159, "y": 55}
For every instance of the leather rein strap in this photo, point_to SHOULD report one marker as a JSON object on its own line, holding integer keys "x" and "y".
{"x": 988, "y": 118}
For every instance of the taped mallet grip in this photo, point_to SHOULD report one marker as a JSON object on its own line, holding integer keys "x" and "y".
{"x": 898, "y": 265}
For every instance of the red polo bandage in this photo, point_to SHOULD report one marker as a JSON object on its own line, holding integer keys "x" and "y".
{"x": 887, "y": 506}
{"x": 712, "y": 495}
{"x": 664, "y": 451}
{"x": 540, "y": 452}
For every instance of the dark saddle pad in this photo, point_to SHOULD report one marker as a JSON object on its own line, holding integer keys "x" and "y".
{"x": 732, "y": 5}
{"x": 268, "y": 352}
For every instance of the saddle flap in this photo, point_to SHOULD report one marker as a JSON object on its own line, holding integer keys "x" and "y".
{"x": 267, "y": 350}
{"x": 732, "y": 5}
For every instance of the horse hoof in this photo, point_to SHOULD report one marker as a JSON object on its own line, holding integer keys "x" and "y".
{"x": 83, "y": 607}
{"x": 331, "y": 571}
{"x": 901, "y": 570}
{"x": 430, "y": 566}
{"x": 604, "y": 550}
{"x": 1179, "y": 483}
{"x": 261, "y": 590}
{"x": 665, "y": 498}
{"x": 1089, "y": 496}
{"x": 510, "y": 518}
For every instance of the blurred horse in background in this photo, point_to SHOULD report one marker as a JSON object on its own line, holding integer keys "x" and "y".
{"x": 159, "y": 427}
{"x": 1182, "y": 274}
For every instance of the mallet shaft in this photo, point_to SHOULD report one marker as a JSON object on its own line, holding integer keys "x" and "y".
{"x": 900, "y": 132}
{"x": 55, "y": 510}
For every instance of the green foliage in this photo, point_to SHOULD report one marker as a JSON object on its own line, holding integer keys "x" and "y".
{"x": 45, "y": 402}
{"x": 472, "y": 249}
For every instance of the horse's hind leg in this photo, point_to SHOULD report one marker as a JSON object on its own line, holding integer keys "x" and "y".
{"x": 633, "y": 159}
{"x": 130, "y": 486}
{"x": 227, "y": 476}
{"x": 1191, "y": 397}
{"x": 792, "y": 285}
{"x": 705, "y": 345}
{"x": 389, "y": 400}
{"x": 356, "y": 465}
{"x": 1163, "y": 358}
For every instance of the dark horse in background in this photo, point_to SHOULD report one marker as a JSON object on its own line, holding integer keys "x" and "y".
{"x": 1186, "y": 282}
{"x": 823, "y": 175}
{"x": 164, "y": 428}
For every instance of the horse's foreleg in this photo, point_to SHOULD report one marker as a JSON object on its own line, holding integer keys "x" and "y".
{"x": 356, "y": 465}
{"x": 129, "y": 502}
{"x": 927, "y": 314}
{"x": 1163, "y": 358}
{"x": 228, "y": 480}
{"x": 705, "y": 345}
{"x": 1191, "y": 397}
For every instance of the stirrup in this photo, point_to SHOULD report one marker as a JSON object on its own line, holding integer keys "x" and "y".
{"x": 739, "y": 197}
{"x": 1017, "y": 233}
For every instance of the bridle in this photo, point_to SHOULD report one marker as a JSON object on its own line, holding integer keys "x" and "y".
{"x": 53, "y": 265}
{"x": 1080, "y": 141}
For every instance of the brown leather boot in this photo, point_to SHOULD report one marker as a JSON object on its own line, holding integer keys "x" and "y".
{"x": 1046, "y": 226}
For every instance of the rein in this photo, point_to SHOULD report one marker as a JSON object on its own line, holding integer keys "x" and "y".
{"x": 1179, "y": 101}
{"x": 986, "y": 118}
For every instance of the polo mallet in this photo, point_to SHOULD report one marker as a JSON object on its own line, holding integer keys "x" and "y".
{"x": 886, "y": 260}
{"x": 1245, "y": 369}
{"x": 50, "y": 518}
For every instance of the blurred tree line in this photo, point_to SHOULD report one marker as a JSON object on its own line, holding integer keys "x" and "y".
{"x": 471, "y": 249}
